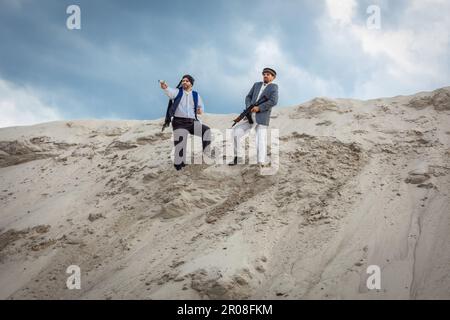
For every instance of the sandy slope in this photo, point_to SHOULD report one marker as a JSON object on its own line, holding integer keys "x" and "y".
{"x": 360, "y": 183}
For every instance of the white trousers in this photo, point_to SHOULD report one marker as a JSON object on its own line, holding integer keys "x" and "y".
{"x": 261, "y": 139}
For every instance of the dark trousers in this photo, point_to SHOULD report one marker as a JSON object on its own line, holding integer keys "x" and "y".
{"x": 181, "y": 128}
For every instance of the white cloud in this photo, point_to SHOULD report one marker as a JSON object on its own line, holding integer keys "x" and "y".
{"x": 296, "y": 83}
{"x": 294, "y": 80}
{"x": 21, "y": 106}
{"x": 413, "y": 57}
{"x": 341, "y": 11}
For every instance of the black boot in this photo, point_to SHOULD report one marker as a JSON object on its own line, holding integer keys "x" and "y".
{"x": 180, "y": 166}
{"x": 235, "y": 162}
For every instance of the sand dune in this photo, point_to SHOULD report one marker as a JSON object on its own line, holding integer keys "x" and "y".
{"x": 360, "y": 183}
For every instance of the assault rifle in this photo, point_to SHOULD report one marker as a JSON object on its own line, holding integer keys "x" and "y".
{"x": 247, "y": 112}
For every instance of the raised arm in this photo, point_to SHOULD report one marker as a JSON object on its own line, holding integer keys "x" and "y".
{"x": 170, "y": 92}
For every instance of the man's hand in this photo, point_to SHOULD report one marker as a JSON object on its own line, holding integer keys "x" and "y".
{"x": 164, "y": 85}
{"x": 199, "y": 111}
{"x": 255, "y": 109}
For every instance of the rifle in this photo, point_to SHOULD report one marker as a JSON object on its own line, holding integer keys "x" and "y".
{"x": 247, "y": 111}
{"x": 165, "y": 125}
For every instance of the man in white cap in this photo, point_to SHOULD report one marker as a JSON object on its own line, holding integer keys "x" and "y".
{"x": 264, "y": 95}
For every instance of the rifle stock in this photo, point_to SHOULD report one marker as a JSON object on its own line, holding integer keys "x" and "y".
{"x": 165, "y": 125}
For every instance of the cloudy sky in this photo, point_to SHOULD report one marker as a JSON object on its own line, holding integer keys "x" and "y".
{"x": 109, "y": 68}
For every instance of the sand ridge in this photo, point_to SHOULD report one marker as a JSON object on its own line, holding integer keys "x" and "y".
{"x": 360, "y": 183}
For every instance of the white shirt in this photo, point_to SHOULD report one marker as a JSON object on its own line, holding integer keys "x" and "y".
{"x": 186, "y": 107}
{"x": 264, "y": 86}
{"x": 253, "y": 114}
